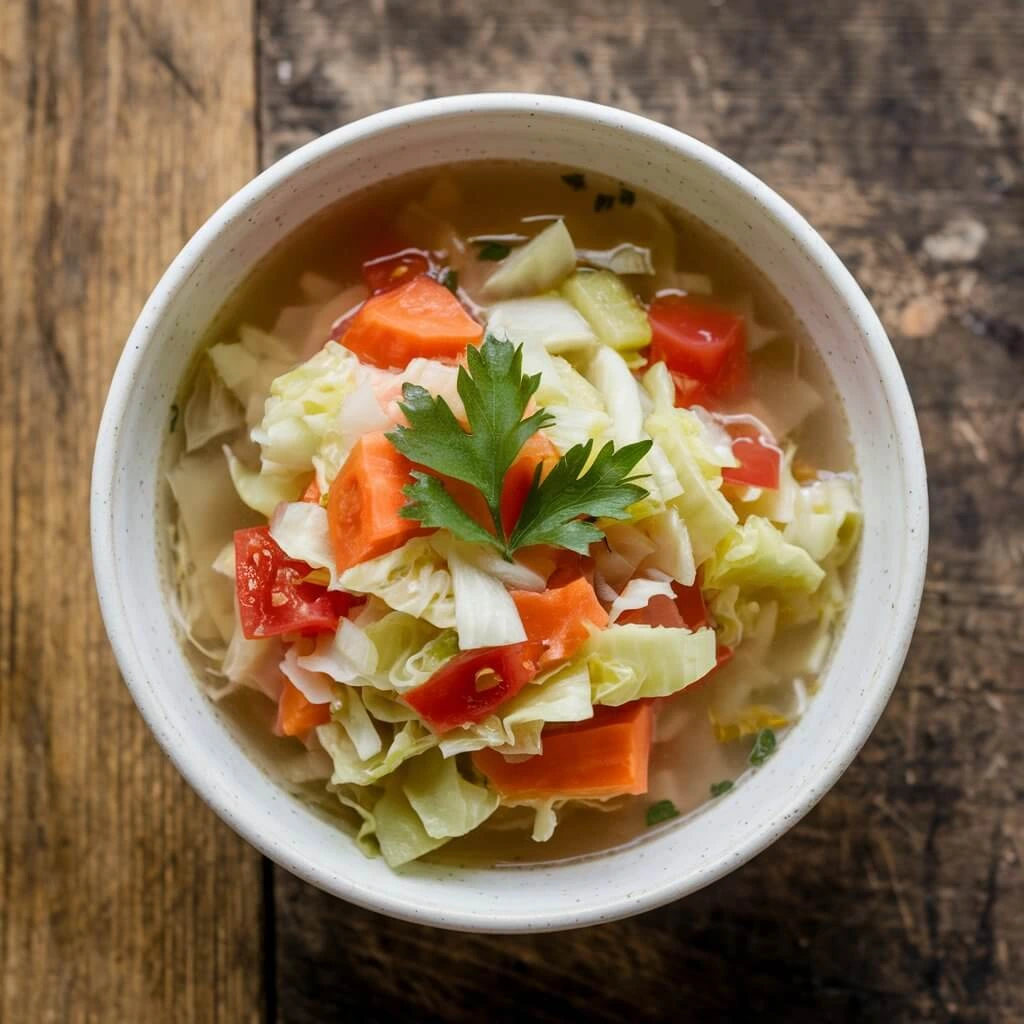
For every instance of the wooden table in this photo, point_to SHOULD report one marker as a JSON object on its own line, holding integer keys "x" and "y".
{"x": 897, "y": 127}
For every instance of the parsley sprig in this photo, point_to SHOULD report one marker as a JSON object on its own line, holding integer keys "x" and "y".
{"x": 495, "y": 393}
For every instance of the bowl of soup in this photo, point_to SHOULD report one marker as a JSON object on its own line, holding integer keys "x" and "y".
{"x": 509, "y": 514}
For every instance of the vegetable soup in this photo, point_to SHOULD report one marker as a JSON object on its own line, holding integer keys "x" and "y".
{"x": 511, "y": 514}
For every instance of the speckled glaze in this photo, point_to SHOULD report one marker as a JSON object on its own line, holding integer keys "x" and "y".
{"x": 671, "y": 861}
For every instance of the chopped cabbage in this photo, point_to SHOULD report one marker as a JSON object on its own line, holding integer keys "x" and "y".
{"x": 262, "y": 492}
{"x": 626, "y": 258}
{"x": 316, "y": 687}
{"x": 446, "y": 803}
{"x": 610, "y": 308}
{"x": 543, "y": 320}
{"x": 757, "y": 556}
{"x": 303, "y": 404}
{"x": 252, "y": 663}
{"x": 540, "y": 265}
{"x": 349, "y": 768}
{"x": 485, "y": 614}
{"x": 349, "y": 711}
{"x": 412, "y": 579}
{"x": 347, "y": 655}
{"x": 826, "y": 520}
{"x": 399, "y": 830}
{"x": 301, "y": 530}
{"x": 704, "y": 510}
{"x": 409, "y": 651}
{"x": 248, "y": 367}
{"x": 630, "y": 662}
{"x": 672, "y": 551}
{"x": 208, "y": 508}
{"x": 212, "y": 410}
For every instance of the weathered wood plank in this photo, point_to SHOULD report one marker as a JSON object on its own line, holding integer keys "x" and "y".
{"x": 898, "y": 128}
{"x": 122, "y": 898}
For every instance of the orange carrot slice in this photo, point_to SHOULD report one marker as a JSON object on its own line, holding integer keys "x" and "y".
{"x": 604, "y": 756}
{"x": 559, "y": 616}
{"x": 364, "y": 501}
{"x": 421, "y": 318}
{"x": 296, "y": 715}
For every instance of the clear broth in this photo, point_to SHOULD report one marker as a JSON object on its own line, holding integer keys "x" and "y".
{"x": 514, "y": 200}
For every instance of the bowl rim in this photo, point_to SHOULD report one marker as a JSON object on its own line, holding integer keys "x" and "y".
{"x": 146, "y": 328}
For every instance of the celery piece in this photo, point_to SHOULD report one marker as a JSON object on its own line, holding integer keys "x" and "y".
{"x": 542, "y": 264}
{"x": 606, "y": 303}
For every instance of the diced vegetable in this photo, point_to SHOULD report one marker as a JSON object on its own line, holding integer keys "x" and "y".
{"x": 545, "y": 320}
{"x": 364, "y": 502}
{"x": 626, "y": 258}
{"x": 296, "y": 715}
{"x": 690, "y": 602}
{"x": 485, "y": 614}
{"x": 604, "y": 756}
{"x": 471, "y": 685}
{"x": 610, "y": 308}
{"x": 703, "y": 342}
{"x": 760, "y": 459}
{"x": 659, "y": 611}
{"x": 272, "y": 597}
{"x": 312, "y": 492}
{"x": 560, "y": 616}
{"x": 540, "y": 265}
{"x": 421, "y": 318}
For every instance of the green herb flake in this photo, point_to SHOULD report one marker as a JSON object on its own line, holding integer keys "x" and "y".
{"x": 764, "y": 747}
{"x": 718, "y": 788}
{"x": 493, "y": 251}
{"x": 450, "y": 279}
{"x": 603, "y": 201}
{"x": 174, "y": 417}
{"x": 627, "y": 196}
{"x": 575, "y": 181}
{"x": 663, "y": 810}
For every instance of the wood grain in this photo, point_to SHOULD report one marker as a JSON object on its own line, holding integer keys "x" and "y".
{"x": 898, "y": 129}
{"x": 122, "y": 125}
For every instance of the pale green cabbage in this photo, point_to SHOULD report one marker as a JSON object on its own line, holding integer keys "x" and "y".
{"x": 413, "y": 579}
{"x": 826, "y": 520}
{"x": 248, "y": 367}
{"x": 630, "y": 662}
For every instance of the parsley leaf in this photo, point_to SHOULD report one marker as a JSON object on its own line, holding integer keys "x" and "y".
{"x": 495, "y": 394}
{"x": 764, "y": 747}
{"x": 493, "y": 251}
{"x": 718, "y": 788}
{"x": 663, "y": 810}
{"x": 551, "y": 513}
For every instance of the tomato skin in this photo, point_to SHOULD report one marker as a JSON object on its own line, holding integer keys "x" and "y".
{"x": 450, "y": 697}
{"x": 760, "y": 459}
{"x": 703, "y": 345}
{"x": 272, "y": 599}
{"x": 387, "y": 271}
{"x": 686, "y": 611}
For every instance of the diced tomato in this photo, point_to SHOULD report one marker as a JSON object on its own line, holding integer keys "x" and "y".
{"x": 296, "y": 715}
{"x": 387, "y": 271}
{"x": 312, "y": 493}
{"x": 703, "y": 344}
{"x": 760, "y": 459}
{"x": 690, "y": 602}
{"x": 470, "y": 686}
{"x": 272, "y": 597}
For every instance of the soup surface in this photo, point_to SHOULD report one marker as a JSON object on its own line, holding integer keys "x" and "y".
{"x": 571, "y": 677}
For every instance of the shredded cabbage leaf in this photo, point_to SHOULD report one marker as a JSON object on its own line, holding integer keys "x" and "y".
{"x": 412, "y": 579}
{"x": 630, "y": 662}
{"x": 249, "y": 365}
{"x": 757, "y": 556}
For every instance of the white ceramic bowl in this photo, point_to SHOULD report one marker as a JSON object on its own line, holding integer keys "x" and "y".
{"x": 869, "y": 653}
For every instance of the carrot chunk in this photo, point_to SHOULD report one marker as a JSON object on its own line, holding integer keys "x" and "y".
{"x": 559, "y": 616}
{"x": 421, "y": 318}
{"x": 296, "y": 715}
{"x": 604, "y": 756}
{"x": 364, "y": 501}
